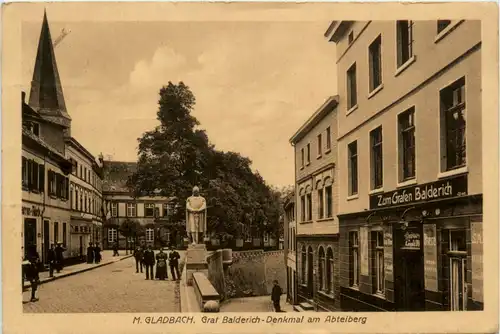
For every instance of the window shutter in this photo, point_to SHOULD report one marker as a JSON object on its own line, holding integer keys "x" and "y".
{"x": 41, "y": 178}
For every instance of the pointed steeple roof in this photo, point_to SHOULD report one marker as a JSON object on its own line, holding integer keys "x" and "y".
{"x": 46, "y": 94}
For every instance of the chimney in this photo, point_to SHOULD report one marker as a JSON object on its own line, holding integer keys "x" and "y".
{"x": 23, "y": 97}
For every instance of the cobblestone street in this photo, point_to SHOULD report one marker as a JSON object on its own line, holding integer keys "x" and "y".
{"x": 112, "y": 288}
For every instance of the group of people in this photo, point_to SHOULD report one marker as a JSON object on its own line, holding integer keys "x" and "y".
{"x": 145, "y": 258}
{"x": 94, "y": 253}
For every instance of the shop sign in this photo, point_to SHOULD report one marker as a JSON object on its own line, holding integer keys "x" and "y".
{"x": 31, "y": 211}
{"x": 430, "y": 258}
{"x": 388, "y": 261}
{"x": 477, "y": 261}
{"x": 411, "y": 240}
{"x": 363, "y": 250}
{"x": 449, "y": 188}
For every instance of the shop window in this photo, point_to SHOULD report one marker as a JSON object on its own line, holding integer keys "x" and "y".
{"x": 150, "y": 235}
{"x": 309, "y": 207}
{"x": 303, "y": 265}
{"x": 149, "y": 210}
{"x": 377, "y": 168}
{"x": 406, "y": 125}
{"x": 321, "y": 269}
{"x": 354, "y": 268}
{"x": 131, "y": 209}
{"x": 329, "y": 271}
{"x": 353, "y": 168}
{"x": 378, "y": 272}
{"x": 329, "y": 201}
{"x": 64, "y": 232}
{"x": 321, "y": 208}
{"x": 457, "y": 255}
{"x": 453, "y": 125}
{"x": 352, "y": 95}
{"x": 404, "y": 41}
{"x": 375, "y": 59}
{"x": 112, "y": 235}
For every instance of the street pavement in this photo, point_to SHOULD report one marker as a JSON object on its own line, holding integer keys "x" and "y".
{"x": 108, "y": 289}
{"x": 254, "y": 304}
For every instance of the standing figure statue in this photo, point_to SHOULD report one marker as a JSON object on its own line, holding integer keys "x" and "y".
{"x": 196, "y": 216}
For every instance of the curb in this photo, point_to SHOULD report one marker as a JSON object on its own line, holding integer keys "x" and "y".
{"x": 50, "y": 279}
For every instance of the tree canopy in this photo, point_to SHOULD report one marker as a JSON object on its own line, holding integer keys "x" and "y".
{"x": 176, "y": 155}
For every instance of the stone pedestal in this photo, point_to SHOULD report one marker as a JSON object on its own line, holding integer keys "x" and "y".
{"x": 196, "y": 260}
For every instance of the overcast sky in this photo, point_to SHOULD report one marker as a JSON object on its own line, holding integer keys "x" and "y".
{"x": 255, "y": 82}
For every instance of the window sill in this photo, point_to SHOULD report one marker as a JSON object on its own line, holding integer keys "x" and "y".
{"x": 404, "y": 66}
{"x": 453, "y": 172}
{"x": 319, "y": 156}
{"x": 324, "y": 219}
{"x": 376, "y": 191}
{"x": 375, "y": 91}
{"x": 327, "y": 295}
{"x": 447, "y": 30}
{"x": 352, "y": 109}
{"x": 379, "y": 295}
{"x": 352, "y": 197}
{"x": 307, "y": 222}
{"x": 354, "y": 287}
{"x": 301, "y": 168}
{"x": 328, "y": 151}
{"x": 406, "y": 183}
{"x": 307, "y": 164}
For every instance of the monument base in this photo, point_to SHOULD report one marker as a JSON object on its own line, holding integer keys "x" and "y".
{"x": 196, "y": 260}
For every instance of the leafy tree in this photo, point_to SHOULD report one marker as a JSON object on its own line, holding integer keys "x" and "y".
{"x": 176, "y": 155}
{"x": 130, "y": 229}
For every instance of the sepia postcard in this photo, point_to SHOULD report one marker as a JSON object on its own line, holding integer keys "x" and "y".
{"x": 229, "y": 167}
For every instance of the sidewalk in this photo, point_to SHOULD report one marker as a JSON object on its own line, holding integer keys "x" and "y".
{"x": 254, "y": 304}
{"x": 107, "y": 258}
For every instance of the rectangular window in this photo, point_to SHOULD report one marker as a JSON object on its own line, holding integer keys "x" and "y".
{"x": 150, "y": 235}
{"x": 406, "y": 122}
{"x": 353, "y": 168}
{"x": 354, "y": 268}
{"x": 56, "y": 232}
{"x": 352, "y": 95}
{"x": 114, "y": 209}
{"x": 303, "y": 208}
{"x": 404, "y": 41}
{"x": 165, "y": 209}
{"x": 442, "y": 24}
{"x": 112, "y": 235}
{"x": 309, "y": 207}
{"x": 321, "y": 208}
{"x": 65, "y": 237}
{"x": 328, "y": 139}
{"x": 457, "y": 255}
{"x": 302, "y": 156}
{"x": 149, "y": 210}
{"x": 329, "y": 201}
{"x": 376, "y": 158}
{"x": 320, "y": 145}
{"x": 453, "y": 124}
{"x": 378, "y": 273}
{"x": 131, "y": 209}
{"x": 308, "y": 154}
{"x": 24, "y": 166}
{"x": 375, "y": 60}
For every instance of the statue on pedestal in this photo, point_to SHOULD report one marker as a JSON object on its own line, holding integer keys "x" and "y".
{"x": 196, "y": 217}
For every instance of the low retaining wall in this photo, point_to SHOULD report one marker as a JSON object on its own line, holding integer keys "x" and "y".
{"x": 208, "y": 298}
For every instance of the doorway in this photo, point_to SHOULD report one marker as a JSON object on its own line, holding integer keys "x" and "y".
{"x": 29, "y": 235}
{"x": 310, "y": 273}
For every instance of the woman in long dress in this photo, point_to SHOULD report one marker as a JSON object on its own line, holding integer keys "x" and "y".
{"x": 161, "y": 265}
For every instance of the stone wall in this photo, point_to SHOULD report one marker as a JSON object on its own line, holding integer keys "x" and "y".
{"x": 216, "y": 273}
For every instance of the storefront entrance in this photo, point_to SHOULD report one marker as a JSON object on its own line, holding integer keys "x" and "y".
{"x": 46, "y": 241}
{"x": 409, "y": 268}
{"x": 29, "y": 235}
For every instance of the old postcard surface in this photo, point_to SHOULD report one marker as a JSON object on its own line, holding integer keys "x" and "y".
{"x": 250, "y": 167}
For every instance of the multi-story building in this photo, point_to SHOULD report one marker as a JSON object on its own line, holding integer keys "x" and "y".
{"x": 317, "y": 224}
{"x": 151, "y": 212}
{"x": 290, "y": 230}
{"x": 409, "y": 157}
{"x": 85, "y": 193}
{"x": 45, "y": 168}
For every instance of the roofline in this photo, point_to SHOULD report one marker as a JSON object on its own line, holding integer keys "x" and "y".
{"x": 329, "y": 105}
{"x": 336, "y": 29}
{"x": 81, "y": 148}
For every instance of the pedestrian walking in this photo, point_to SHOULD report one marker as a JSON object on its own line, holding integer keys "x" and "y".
{"x": 161, "y": 265}
{"x": 139, "y": 258}
{"x": 97, "y": 253}
{"x": 149, "y": 262}
{"x": 32, "y": 274}
{"x": 276, "y": 296}
{"x": 174, "y": 264}
{"x": 51, "y": 259}
{"x": 90, "y": 253}
{"x": 115, "y": 249}
{"x": 59, "y": 250}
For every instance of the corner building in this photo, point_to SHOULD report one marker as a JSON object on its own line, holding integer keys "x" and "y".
{"x": 409, "y": 165}
{"x": 316, "y": 223}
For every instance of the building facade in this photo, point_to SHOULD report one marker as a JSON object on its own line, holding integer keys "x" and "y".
{"x": 409, "y": 157}
{"x": 316, "y": 210}
{"x": 290, "y": 230}
{"x": 85, "y": 194}
{"x": 120, "y": 206}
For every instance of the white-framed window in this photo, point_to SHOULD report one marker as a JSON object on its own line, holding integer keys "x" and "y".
{"x": 308, "y": 154}
{"x": 114, "y": 209}
{"x": 131, "y": 209}
{"x": 378, "y": 262}
{"x": 352, "y": 95}
{"x": 404, "y": 41}
{"x": 406, "y": 125}
{"x": 354, "y": 268}
{"x": 375, "y": 59}
{"x": 150, "y": 235}
{"x": 328, "y": 139}
{"x": 302, "y": 157}
{"x": 352, "y": 149}
{"x": 377, "y": 166}
{"x": 320, "y": 145}
{"x": 112, "y": 235}
{"x": 149, "y": 209}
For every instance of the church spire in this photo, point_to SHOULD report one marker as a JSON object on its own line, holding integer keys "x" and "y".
{"x": 46, "y": 94}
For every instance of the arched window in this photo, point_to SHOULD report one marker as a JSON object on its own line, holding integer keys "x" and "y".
{"x": 321, "y": 271}
{"x": 329, "y": 271}
{"x": 303, "y": 265}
